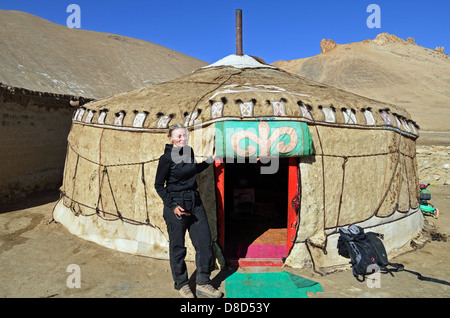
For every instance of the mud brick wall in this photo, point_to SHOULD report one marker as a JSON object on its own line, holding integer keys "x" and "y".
{"x": 33, "y": 139}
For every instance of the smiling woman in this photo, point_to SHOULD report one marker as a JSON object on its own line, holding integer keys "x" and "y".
{"x": 178, "y": 135}
{"x": 176, "y": 184}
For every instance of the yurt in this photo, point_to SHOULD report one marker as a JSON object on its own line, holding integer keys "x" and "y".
{"x": 295, "y": 160}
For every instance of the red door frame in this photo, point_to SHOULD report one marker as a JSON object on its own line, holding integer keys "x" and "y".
{"x": 292, "y": 216}
{"x": 293, "y": 202}
{"x": 219, "y": 175}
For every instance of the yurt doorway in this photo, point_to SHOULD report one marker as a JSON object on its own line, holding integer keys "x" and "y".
{"x": 258, "y": 222}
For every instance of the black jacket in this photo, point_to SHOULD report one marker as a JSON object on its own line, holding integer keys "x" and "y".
{"x": 177, "y": 171}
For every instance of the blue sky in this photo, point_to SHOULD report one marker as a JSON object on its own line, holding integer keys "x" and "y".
{"x": 273, "y": 30}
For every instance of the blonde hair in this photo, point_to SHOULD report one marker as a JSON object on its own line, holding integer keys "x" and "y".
{"x": 173, "y": 127}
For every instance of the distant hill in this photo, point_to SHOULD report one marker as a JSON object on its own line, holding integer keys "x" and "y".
{"x": 43, "y": 56}
{"x": 387, "y": 69}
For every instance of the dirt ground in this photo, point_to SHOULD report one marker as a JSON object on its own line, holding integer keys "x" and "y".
{"x": 35, "y": 253}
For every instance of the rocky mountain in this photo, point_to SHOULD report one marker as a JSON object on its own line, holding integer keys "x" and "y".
{"x": 43, "y": 56}
{"x": 387, "y": 69}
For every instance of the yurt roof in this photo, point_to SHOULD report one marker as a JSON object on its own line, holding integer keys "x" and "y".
{"x": 234, "y": 80}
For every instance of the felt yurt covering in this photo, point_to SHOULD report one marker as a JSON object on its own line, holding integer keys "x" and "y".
{"x": 357, "y": 166}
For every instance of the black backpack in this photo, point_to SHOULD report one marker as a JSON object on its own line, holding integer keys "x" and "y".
{"x": 353, "y": 243}
{"x": 366, "y": 250}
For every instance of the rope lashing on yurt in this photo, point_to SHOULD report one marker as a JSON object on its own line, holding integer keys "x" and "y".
{"x": 345, "y": 160}
{"x": 75, "y": 175}
{"x": 99, "y": 165}
{"x": 104, "y": 172}
{"x": 212, "y": 90}
{"x": 342, "y": 192}
{"x": 300, "y": 103}
{"x": 145, "y": 193}
{"x": 111, "y": 165}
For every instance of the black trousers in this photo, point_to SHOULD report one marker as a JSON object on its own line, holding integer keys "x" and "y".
{"x": 199, "y": 232}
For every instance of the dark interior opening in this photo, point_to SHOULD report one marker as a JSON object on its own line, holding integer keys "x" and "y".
{"x": 255, "y": 210}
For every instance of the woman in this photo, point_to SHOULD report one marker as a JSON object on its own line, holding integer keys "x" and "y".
{"x": 176, "y": 184}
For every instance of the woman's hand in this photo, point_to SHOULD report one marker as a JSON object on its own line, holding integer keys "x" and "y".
{"x": 179, "y": 211}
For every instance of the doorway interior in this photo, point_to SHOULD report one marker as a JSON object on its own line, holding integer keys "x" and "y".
{"x": 256, "y": 211}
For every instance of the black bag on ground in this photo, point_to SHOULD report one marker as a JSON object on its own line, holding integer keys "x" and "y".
{"x": 366, "y": 250}
{"x": 353, "y": 243}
